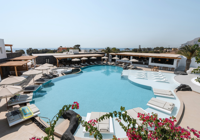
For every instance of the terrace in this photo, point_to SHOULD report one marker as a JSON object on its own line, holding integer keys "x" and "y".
{"x": 28, "y": 129}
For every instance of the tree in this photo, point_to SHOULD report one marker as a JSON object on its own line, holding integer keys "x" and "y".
{"x": 197, "y": 70}
{"x": 115, "y": 50}
{"x": 107, "y": 51}
{"x": 126, "y": 49}
{"x": 20, "y": 51}
{"x": 189, "y": 52}
{"x": 134, "y": 50}
{"x": 139, "y": 50}
{"x": 161, "y": 49}
{"x": 77, "y": 46}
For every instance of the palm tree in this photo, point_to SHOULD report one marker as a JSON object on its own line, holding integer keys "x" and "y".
{"x": 107, "y": 51}
{"x": 115, "y": 50}
{"x": 188, "y": 51}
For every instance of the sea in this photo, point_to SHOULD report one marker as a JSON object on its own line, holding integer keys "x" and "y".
{"x": 14, "y": 49}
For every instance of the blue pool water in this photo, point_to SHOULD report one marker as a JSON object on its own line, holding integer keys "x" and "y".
{"x": 97, "y": 89}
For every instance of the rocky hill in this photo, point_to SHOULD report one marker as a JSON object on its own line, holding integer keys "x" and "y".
{"x": 192, "y": 42}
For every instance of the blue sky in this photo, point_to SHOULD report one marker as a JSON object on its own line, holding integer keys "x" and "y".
{"x": 99, "y": 23}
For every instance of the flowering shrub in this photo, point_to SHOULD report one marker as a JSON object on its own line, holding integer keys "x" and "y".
{"x": 151, "y": 127}
{"x": 75, "y": 105}
{"x": 34, "y": 138}
{"x": 161, "y": 129}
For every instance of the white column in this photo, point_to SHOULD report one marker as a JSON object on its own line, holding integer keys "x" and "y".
{"x": 110, "y": 58}
{"x": 175, "y": 63}
{"x": 150, "y": 60}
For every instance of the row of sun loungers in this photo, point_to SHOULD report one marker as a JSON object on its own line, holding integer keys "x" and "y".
{"x": 106, "y": 126}
{"x": 141, "y": 75}
{"x": 22, "y": 114}
{"x": 84, "y": 64}
{"x": 159, "y": 77}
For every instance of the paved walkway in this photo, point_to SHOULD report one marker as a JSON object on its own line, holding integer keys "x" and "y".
{"x": 186, "y": 79}
{"x": 192, "y": 109}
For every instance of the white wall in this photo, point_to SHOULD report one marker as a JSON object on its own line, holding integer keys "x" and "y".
{"x": 163, "y": 65}
{"x": 193, "y": 64}
{"x": 73, "y": 51}
{"x": 2, "y": 49}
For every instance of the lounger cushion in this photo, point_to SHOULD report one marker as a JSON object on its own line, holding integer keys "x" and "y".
{"x": 132, "y": 113}
{"x": 8, "y": 114}
{"x": 32, "y": 106}
{"x": 40, "y": 79}
{"x": 105, "y": 120}
{"x": 162, "y": 104}
{"x": 11, "y": 118}
{"x": 164, "y": 92}
{"x": 168, "y": 106}
{"x": 104, "y": 127}
{"x": 94, "y": 115}
{"x": 139, "y": 110}
{"x": 34, "y": 110}
{"x": 156, "y": 103}
{"x": 14, "y": 118}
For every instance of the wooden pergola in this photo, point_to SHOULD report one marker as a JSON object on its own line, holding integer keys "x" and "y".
{"x": 76, "y": 56}
{"x": 25, "y": 58}
{"x": 10, "y": 45}
{"x": 13, "y": 64}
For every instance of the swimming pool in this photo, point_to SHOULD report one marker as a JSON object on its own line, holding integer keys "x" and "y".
{"x": 96, "y": 88}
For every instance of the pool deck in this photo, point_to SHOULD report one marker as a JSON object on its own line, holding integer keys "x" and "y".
{"x": 186, "y": 79}
{"x": 27, "y": 129}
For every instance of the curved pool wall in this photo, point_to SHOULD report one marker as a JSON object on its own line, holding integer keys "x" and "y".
{"x": 45, "y": 89}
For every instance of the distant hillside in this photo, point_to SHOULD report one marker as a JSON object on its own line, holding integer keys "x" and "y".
{"x": 192, "y": 42}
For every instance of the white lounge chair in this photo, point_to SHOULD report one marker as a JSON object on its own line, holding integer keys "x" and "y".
{"x": 141, "y": 77}
{"x": 134, "y": 113}
{"x": 105, "y": 126}
{"x": 20, "y": 99}
{"x": 87, "y": 64}
{"x": 112, "y": 63}
{"x": 95, "y": 63}
{"x": 31, "y": 88}
{"x": 17, "y": 116}
{"x": 164, "y": 93}
{"x": 91, "y": 63}
{"x": 159, "y": 77}
{"x": 161, "y": 80}
{"x": 161, "y": 105}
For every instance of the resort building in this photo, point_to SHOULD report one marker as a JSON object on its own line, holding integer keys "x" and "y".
{"x": 154, "y": 59}
{"x": 60, "y": 59}
{"x": 61, "y": 49}
{"x": 12, "y": 63}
